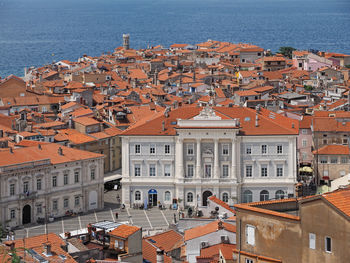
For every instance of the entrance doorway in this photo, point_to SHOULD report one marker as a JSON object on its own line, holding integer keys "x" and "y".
{"x": 26, "y": 215}
{"x": 206, "y": 195}
{"x": 152, "y": 197}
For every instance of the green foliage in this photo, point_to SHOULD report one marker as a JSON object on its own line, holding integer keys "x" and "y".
{"x": 308, "y": 87}
{"x": 286, "y": 51}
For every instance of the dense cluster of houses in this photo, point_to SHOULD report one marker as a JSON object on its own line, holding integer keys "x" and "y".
{"x": 242, "y": 137}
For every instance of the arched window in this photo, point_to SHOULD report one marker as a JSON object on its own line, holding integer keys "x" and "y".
{"x": 189, "y": 197}
{"x": 225, "y": 197}
{"x": 264, "y": 195}
{"x": 279, "y": 194}
{"x": 137, "y": 196}
{"x": 167, "y": 196}
{"x": 247, "y": 196}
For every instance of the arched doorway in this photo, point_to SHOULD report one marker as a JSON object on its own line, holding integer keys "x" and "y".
{"x": 152, "y": 197}
{"x": 206, "y": 194}
{"x": 92, "y": 200}
{"x": 26, "y": 214}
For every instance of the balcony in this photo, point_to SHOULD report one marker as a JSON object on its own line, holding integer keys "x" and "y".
{"x": 29, "y": 195}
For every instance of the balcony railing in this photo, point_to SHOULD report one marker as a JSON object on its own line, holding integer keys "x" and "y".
{"x": 28, "y": 195}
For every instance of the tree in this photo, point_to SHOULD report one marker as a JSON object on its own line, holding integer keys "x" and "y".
{"x": 286, "y": 51}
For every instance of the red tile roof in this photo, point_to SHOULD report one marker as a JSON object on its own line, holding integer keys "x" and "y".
{"x": 124, "y": 231}
{"x": 166, "y": 241}
{"x": 207, "y": 229}
{"x": 333, "y": 149}
{"x": 221, "y": 203}
{"x": 339, "y": 199}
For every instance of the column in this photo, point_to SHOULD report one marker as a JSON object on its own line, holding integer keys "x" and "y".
{"x": 125, "y": 157}
{"x": 179, "y": 158}
{"x": 216, "y": 159}
{"x": 199, "y": 158}
{"x": 233, "y": 162}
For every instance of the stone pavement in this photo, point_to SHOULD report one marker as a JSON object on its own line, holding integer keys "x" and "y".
{"x": 150, "y": 220}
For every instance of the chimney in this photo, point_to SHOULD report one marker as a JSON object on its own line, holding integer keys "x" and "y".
{"x": 48, "y": 249}
{"x": 60, "y": 151}
{"x": 12, "y": 246}
{"x": 220, "y": 225}
{"x": 11, "y": 150}
{"x": 39, "y": 146}
{"x": 160, "y": 256}
{"x": 163, "y": 125}
{"x": 256, "y": 120}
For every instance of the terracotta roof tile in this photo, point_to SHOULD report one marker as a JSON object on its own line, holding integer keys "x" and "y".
{"x": 208, "y": 228}
{"x": 221, "y": 203}
{"x": 333, "y": 149}
{"x": 166, "y": 241}
{"x": 124, "y": 231}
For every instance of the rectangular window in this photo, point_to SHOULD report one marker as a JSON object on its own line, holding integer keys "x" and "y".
{"x": 152, "y": 149}
{"x": 167, "y": 149}
{"x": 92, "y": 174}
{"x": 279, "y": 170}
{"x": 54, "y": 181}
{"x": 304, "y": 131}
{"x": 328, "y": 244}
{"x": 325, "y": 141}
{"x": 76, "y": 200}
{"x": 250, "y": 235}
{"x": 248, "y": 149}
{"x": 38, "y": 184}
{"x": 66, "y": 203}
{"x": 279, "y": 149}
{"x": 324, "y": 159}
{"x": 312, "y": 241}
{"x": 65, "y": 179}
{"x": 207, "y": 169}
{"x": 39, "y": 209}
{"x": 12, "y": 189}
{"x": 137, "y": 149}
{"x": 12, "y": 213}
{"x": 76, "y": 177}
{"x": 249, "y": 171}
{"x": 263, "y": 149}
{"x": 25, "y": 187}
{"x": 344, "y": 159}
{"x": 54, "y": 205}
{"x": 137, "y": 170}
{"x": 264, "y": 170}
{"x": 190, "y": 149}
{"x": 304, "y": 142}
{"x": 121, "y": 244}
{"x": 334, "y": 159}
{"x": 152, "y": 170}
{"x": 190, "y": 170}
{"x": 248, "y": 260}
{"x": 167, "y": 170}
{"x": 225, "y": 150}
{"x": 225, "y": 170}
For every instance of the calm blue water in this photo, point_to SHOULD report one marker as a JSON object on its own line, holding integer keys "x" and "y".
{"x": 31, "y": 30}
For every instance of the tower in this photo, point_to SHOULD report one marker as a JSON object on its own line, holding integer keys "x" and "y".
{"x": 126, "y": 41}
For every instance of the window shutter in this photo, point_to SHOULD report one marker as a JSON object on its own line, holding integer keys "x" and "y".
{"x": 312, "y": 240}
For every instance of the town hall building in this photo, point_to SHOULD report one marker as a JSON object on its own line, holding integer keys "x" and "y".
{"x": 190, "y": 153}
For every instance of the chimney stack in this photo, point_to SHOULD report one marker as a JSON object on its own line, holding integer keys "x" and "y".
{"x": 48, "y": 249}
{"x": 256, "y": 120}
{"x": 163, "y": 125}
{"x": 160, "y": 256}
{"x": 60, "y": 151}
{"x": 39, "y": 146}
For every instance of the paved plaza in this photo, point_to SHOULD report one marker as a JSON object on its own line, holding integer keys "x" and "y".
{"x": 153, "y": 219}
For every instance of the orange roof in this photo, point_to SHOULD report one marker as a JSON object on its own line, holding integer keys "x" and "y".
{"x": 330, "y": 124}
{"x": 73, "y": 136}
{"x": 246, "y": 93}
{"x": 340, "y": 199}
{"x": 124, "y": 231}
{"x": 86, "y": 121}
{"x": 207, "y": 229}
{"x": 269, "y": 123}
{"x": 333, "y": 149}
{"x": 226, "y": 250}
{"x": 166, "y": 241}
{"x": 221, "y": 203}
{"x": 305, "y": 123}
{"x": 46, "y": 151}
{"x": 37, "y": 244}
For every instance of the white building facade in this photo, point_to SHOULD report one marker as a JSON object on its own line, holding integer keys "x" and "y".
{"x": 192, "y": 153}
{"x": 47, "y": 181}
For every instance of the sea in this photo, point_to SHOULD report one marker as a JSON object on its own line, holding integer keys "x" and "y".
{"x": 38, "y": 32}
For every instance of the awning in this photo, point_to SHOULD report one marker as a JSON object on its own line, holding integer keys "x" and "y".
{"x": 306, "y": 169}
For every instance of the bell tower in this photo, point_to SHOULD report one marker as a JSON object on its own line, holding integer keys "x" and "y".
{"x": 126, "y": 41}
